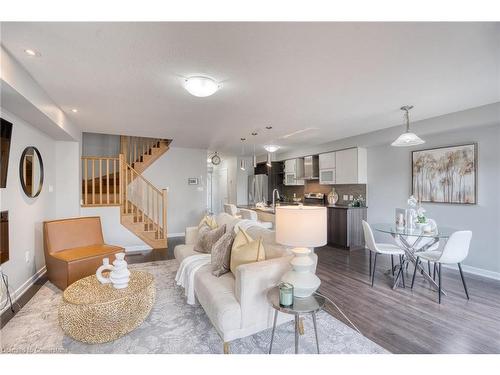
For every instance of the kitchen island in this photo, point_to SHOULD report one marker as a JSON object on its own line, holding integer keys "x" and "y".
{"x": 345, "y": 229}
{"x": 263, "y": 213}
{"x": 267, "y": 213}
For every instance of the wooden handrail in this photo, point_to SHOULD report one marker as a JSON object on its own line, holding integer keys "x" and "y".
{"x": 144, "y": 201}
{"x": 133, "y": 171}
{"x": 135, "y": 148}
{"x": 99, "y": 158}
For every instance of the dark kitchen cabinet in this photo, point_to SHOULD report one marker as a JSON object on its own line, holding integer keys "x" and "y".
{"x": 275, "y": 176}
{"x": 345, "y": 229}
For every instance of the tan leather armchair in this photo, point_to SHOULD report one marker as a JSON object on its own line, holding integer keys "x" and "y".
{"x": 74, "y": 248}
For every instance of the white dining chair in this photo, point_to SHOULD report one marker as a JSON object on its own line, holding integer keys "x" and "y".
{"x": 455, "y": 251}
{"x": 380, "y": 248}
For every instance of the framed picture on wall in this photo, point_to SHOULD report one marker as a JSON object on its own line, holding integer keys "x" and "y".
{"x": 192, "y": 181}
{"x": 445, "y": 174}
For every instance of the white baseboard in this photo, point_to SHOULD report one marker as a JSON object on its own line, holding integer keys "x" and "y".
{"x": 180, "y": 234}
{"x": 23, "y": 288}
{"x": 137, "y": 248}
{"x": 476, "y": 271}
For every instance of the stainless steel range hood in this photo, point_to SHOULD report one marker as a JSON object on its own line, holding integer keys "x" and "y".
{"x": 311, "y": 168}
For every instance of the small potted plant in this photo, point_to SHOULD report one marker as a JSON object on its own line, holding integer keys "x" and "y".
{"x": 358, "y": 202}
{"x": 421, "y": 218}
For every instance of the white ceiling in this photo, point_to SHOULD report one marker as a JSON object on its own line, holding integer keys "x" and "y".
{"x": 337, "y": 79}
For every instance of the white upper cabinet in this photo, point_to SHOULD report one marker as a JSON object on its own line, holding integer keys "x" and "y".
{"x": 327, "y": 168}
{"x": 327, "y": 161}
{"x": 350, "y": 166}
{"x": 290, "y": 165}
{"x": 294, "y": 169}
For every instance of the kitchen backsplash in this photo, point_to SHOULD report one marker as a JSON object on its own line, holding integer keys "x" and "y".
{"x": 314, "y": 187}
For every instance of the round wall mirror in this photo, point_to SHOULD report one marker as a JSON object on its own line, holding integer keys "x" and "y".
{"x": 31, "y": 171}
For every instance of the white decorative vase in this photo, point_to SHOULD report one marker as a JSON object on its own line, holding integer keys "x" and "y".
{"x": 119, "y": 275}
{"x": 332, "y": 197}
{"x": 303, "y": 280}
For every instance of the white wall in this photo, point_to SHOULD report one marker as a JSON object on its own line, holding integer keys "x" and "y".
{"x": 186, "y": 203}
{"x": 242, "y": 180}
{"x": 115, "y": 233}
{"x": 232, "y": 177}
{"x": 389, "y": 177}
{"x": 26, "y": 215}
{"x": 94, "y": 144}
{"x": 68, "y": 180}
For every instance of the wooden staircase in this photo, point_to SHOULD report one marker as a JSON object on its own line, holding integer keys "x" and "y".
{"x": 140, "y": 152}
{"x": 109, "y": 181}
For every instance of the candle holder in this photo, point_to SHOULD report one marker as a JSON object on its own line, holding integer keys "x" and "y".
{"x": 286, "y": 294}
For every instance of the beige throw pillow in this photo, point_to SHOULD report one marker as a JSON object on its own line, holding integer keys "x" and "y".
{"x": 246, "y": 250}
{"x": 242, "y": 238}
{"x": 207, "y": 238}
{"x": 221, "y": 254}
{"x": 209, "y": 221}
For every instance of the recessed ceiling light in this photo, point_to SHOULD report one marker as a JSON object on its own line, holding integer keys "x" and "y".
{"x": 201, "y": 86}
{"x": 74, "y": 110}
{"x": 32, "y": 52}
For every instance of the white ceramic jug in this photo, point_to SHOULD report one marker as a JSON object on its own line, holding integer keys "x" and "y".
{"x": 119, "y": 275}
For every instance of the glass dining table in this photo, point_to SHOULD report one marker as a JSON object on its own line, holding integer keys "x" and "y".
{"x": 413, "y": 241}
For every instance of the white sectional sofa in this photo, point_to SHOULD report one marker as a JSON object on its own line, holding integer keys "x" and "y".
{"x": 236, "y": 303}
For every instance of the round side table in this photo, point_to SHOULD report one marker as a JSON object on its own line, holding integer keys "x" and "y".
{"x": 307, "y": 305}
{"x": 93, "y": 313}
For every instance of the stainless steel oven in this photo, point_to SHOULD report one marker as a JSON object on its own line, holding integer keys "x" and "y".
{"x": 314, "y": 199}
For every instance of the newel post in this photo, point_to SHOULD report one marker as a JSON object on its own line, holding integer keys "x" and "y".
{"x": 164, "y": 213}
{"x": 121, "y": 177}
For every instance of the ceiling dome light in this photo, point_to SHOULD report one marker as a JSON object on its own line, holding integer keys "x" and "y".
{"x": 201, "y": 86}
{"x": 74, "y": 110}
{"x": 408, "y": 138}
{"x": 272, "y": 148}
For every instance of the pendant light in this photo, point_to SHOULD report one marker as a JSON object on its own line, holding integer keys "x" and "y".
{"x": 242, "y": 160}
{"x": 270, "y": 148}
{"x": 408, "y": 138}
{"x": 254, "y": 156}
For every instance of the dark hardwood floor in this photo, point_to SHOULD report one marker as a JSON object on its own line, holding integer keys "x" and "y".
{"x": 411, "y": 321}
{"x": 401, "y": 320}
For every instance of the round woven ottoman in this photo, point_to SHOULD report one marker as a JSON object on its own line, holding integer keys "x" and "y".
{"x": 93, "y": 313}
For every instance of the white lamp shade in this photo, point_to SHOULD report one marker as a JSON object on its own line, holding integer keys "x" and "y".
{"x": 407, "y": 139}
{"x": 301, "y": 226}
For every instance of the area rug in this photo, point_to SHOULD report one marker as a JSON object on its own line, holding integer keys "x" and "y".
{"x": 172, "y": 327}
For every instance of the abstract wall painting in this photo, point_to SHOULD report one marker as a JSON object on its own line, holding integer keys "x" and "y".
{"x": 445, "y": 174}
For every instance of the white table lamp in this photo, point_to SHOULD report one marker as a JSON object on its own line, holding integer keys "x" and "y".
{"x": 301, "y": 227}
